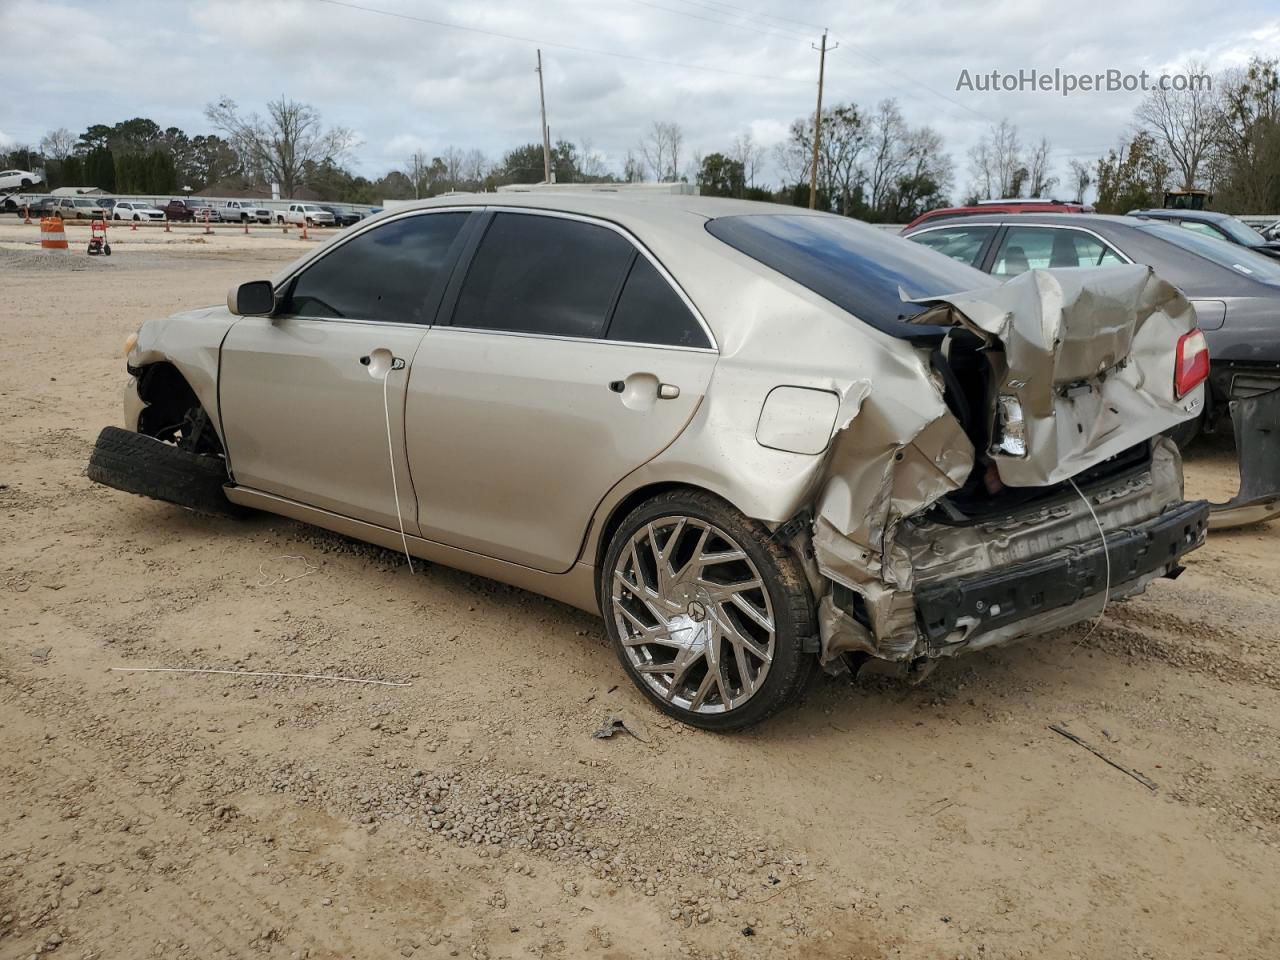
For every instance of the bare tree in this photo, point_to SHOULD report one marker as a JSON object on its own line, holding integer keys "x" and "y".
{"x": 1081, "y": 179}
{"x": 887, "y": 159}
{"x": 285, "y": 144}
{"x": 474, "y": 166}
{"x": 840, "y": 174}
{"x": 591, "y": 163}
{"x": 453, "y": 159}
{"x": 1184, "y": 123}
{"x": 417, "y": 170}
{"x": 632, "y": 168}
{"x": 58, "y": 144}
{"x": 660, "y": 148}
{"x": 996, "y": 164}
{"x": 750, "y": 154}
{"x": 794, "y": 155}
{"x": 1039, "y": 180}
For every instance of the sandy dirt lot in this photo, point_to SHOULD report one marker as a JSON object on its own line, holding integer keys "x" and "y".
{"x": 471, "y": 814}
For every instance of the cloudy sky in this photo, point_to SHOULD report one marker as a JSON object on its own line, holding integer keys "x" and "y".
{"x": 427, "y": 73}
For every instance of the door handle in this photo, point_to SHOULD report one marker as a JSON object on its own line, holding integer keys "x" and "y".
{"x": 380, "y": 362}
{"x": 664, "y": 391}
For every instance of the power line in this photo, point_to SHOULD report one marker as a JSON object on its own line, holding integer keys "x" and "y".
{"x": 726, "y": 23}
{"x": 748, "y": 14}
{"x": 551, "y": 43}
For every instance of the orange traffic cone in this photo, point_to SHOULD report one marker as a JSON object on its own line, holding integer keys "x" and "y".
{"x": 303, "y": 235}
{"x": 246, "y": 227}
{"x": 134, "y": 228}
{"x": 207, "y": 229}
{"x": 27, "y": 213}
{"x": 166, "y": 225}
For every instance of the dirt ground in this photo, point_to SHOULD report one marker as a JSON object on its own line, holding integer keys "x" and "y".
{"x": 470, "y": 813}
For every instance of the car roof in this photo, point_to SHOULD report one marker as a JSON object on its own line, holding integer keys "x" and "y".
{"x": 628, "y": 209}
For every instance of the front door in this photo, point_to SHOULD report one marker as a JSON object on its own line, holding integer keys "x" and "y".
{"x": 570, "y": 361}
{"x": 309, "y": 396}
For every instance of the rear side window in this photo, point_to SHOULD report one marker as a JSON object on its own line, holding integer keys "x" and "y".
{"x": 959, "y": 243}
{"x": 859, "y": 268}
{"x": 1025, "y": 248}
{"x": 1034, "y": 247}
{"x": 650, "y": 311}
{"x": 546, "y": 275}
{"x": 384, "y": 274}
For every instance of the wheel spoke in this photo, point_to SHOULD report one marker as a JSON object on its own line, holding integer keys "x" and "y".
{"x": 741, "y": 603}
{"x": 740, "y": 639}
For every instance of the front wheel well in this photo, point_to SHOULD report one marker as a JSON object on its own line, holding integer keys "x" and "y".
{"x": 173, "y": 412}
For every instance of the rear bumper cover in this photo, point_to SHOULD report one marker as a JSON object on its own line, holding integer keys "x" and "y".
{"x": 1002, "y": 597}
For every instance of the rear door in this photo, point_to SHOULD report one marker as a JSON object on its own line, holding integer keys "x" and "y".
{"x": 571, "y": 359}
{"x": 304, "y": 405}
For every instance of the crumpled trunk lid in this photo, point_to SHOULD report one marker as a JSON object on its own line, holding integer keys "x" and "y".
{"x": 1087, "y": 357}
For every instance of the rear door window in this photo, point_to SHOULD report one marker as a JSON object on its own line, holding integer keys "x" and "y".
{"x": 1027, "y": 248}
{"x": 388, "y": 274}
{"x": 650, "y": 311}
{"x": 543, "y": 275}
{"x": 964, "y": 244}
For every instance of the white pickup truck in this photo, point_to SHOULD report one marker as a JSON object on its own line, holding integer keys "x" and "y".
{"x": 241, "y": 211}
{"x": 312, "y": 214}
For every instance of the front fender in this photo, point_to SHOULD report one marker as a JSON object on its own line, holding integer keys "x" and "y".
{"x": 192, "y": 342}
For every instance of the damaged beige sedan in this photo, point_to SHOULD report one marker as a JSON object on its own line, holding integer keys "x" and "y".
{"x": 753, "y": 438}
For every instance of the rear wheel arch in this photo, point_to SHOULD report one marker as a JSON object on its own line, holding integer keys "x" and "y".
{"x": 619, "y": 511}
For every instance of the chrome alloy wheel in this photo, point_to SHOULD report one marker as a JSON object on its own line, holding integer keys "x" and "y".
{"x": 693, "y": 614}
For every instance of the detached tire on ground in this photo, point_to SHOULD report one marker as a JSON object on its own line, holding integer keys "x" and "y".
{"x": 712, "y": 619}
{"x": 136, "y": 463}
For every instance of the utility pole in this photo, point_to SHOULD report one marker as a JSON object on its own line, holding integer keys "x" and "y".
{"x": 817, "y": 121}
{"x": 546, "y": 133}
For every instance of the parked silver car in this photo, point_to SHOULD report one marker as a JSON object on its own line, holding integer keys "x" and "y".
{"x": 754, "y": 438}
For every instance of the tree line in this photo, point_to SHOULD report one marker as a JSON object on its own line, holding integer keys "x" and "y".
{"x": 872, "y": 163}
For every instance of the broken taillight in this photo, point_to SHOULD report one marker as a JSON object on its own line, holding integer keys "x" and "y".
{"x": 1191, "y": 363}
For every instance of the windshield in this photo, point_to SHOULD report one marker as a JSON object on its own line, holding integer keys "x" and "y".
{"x": 1230, "y": 255}
{"x": 857, "y": 267}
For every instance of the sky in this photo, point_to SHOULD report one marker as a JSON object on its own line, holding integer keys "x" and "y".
{"x": 429, "y": 74}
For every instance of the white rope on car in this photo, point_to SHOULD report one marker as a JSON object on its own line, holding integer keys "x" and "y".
{"x": 391, "y": 450}
{"x": 1102, "y": 536}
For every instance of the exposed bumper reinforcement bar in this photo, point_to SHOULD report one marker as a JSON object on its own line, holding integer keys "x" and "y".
{"x": 1021, "y": 590}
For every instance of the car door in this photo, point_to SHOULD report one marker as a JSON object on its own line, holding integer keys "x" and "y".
{"x": 309, "y": 396}
{"x": 570, "y": 359}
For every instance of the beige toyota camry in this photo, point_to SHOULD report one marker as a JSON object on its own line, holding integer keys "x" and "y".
{"x": 753, "y": 438}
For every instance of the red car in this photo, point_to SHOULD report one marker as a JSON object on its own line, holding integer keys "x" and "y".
{"x": 996, "y": 207}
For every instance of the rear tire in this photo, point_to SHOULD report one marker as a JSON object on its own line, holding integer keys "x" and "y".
{"x": 136, "y": 463}
{"x": 703, "y": 609}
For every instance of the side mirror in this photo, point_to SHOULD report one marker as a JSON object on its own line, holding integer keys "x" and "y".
{"x": 257, "y": 298}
